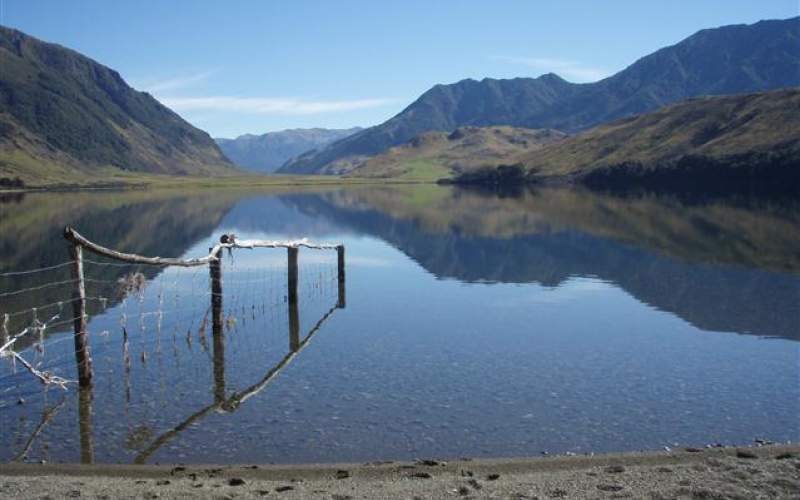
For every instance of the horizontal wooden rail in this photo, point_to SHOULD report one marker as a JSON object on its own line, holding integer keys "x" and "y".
{"x": 227, "y": 241}
{"x": 280, "y": 244}
{"x": 213, "y": 260}
{"x": 77, "y": 239}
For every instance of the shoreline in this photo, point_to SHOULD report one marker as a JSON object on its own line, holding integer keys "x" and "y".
{"x": 152, "y": 182}
{"x": 770, "y": 471}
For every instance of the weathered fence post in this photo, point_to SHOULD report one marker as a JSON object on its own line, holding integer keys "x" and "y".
{"x": 4, "y": 336}
{"x": 340, "y": 275}
{"x": 85, "y": 411}
{"x": 83, "y": 357}
{"x": 217, "y": 326}
{"x": 294, "y": 312}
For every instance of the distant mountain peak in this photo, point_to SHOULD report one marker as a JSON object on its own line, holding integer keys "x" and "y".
{"x": 727, "y": 60}
{"x": 265, "y": 153}
{"x": 551, "y": 77}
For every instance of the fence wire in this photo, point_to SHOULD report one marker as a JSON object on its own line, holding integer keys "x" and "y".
{"x": 163, "y": 324}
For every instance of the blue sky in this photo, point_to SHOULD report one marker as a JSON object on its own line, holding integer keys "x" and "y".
{"x": 237, "y": 67}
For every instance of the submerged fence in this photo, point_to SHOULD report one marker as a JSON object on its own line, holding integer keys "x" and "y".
{"x": 80, "y": 302}
{"x": 67, "y": 293}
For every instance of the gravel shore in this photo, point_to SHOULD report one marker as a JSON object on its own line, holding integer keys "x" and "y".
{"x": 717, "y": 473}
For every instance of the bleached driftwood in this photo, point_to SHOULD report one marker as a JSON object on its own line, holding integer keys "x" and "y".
{"x": 46, "y": 378}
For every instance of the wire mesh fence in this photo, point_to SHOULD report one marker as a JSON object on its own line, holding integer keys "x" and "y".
{"x": 158, "y": 335}
{"x": 152, "y": 308}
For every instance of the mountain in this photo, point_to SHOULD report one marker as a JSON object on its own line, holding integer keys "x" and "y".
{"x": 433, "y": 155}
{"x": 65, "y": 117}
{"x": 726, "y": 60}
{"x": 266, "y": 153}
{"x": 751, "y": 139}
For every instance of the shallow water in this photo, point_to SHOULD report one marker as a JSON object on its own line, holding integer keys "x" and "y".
{"x": 474, "y": 325}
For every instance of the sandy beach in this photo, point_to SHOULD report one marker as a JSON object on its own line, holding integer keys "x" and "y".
{"x": 719, "y": 473}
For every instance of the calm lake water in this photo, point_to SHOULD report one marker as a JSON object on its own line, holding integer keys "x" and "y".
{"x": 475, "y": 325}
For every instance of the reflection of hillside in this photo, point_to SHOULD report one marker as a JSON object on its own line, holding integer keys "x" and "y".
{"x": 271, "y": 215}
{"x": 149, "y": 223}
{"x": 663, "y": 252}
{"x": 754, "y": 234}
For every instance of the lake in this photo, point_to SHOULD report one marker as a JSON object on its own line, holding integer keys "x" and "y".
{"x": 474, "y": 325}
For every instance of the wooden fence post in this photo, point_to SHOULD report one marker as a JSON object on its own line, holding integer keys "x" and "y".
{"x": 83, "y": 356}
{"x": 340, "y": 275}
{"x": 85, "y": 396}
{"x": 294, "y": 311}
{"x": 217, "y": 326}
{"x": 4, "y": 336}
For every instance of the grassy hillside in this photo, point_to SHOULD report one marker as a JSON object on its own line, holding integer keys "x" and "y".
{"x": 726, "y": 60}
{"x": 64, "y": 117}
{"x": 434, "y": 155}
{"x": 752, "y": 134}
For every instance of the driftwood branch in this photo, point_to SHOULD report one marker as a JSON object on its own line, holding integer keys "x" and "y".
{"x": 45, "y": 378}
{"x": 5, "y": 349}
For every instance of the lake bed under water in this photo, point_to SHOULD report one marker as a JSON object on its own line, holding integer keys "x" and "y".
{"x": 475, "y": 325}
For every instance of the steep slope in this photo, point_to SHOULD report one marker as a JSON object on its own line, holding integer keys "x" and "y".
{"x": 63, "y": 116}
{"x": 753, "y": 138}
{"x": 266, "y": 153}
{"x": 434, "y": 155}
{"x": 730, "y": 59}
{"x": 445, "y": 108}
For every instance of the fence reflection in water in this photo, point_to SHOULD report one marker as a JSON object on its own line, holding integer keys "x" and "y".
{"x": 144, "y": 312}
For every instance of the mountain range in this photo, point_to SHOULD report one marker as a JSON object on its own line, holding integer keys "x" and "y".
{"x": 65, "y": 117}
{"x": 726, "y": 60}
{"x": 748, "y": 136}
{"x": 723, "y": 142}
{"x": 267, "y": 152}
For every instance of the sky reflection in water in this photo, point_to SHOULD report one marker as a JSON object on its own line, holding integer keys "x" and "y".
{"x": 475, "y": 325}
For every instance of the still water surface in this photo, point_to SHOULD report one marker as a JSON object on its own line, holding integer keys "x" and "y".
{"x": 475, "y": 325}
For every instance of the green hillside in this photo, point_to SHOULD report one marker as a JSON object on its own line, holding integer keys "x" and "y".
{"x": 64, "y": 117}
{"x": 435, "y": 155}
{"x": 752, "y": 137}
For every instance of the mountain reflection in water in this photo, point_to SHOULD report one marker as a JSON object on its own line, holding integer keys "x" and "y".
{"x": 720, "y": 265}
{"x": 453, "y": 295}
